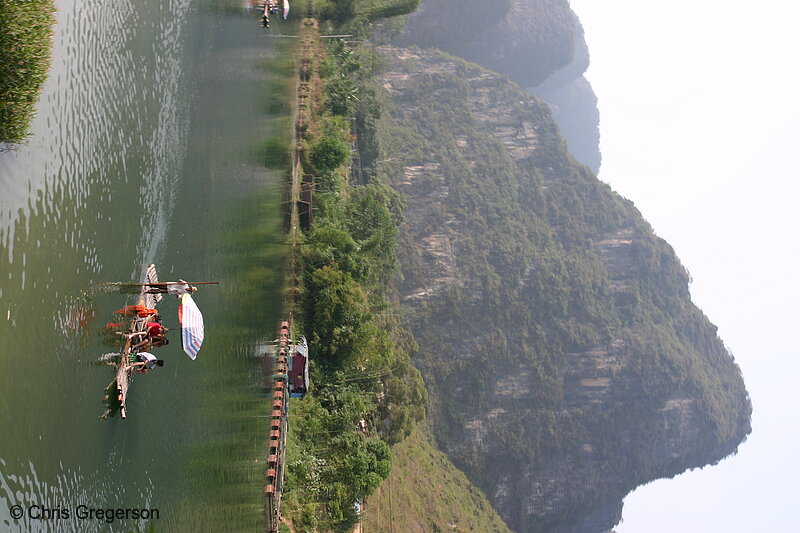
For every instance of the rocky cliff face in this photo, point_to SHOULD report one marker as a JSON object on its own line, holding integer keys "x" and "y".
{"x": 565, "y": 361}
{"x": 537, "y": 43}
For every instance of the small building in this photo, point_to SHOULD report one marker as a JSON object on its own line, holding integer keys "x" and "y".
{"x": 298, "y": 370}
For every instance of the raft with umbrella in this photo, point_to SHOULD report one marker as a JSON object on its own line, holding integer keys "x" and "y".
{"x": 151, "y": 292}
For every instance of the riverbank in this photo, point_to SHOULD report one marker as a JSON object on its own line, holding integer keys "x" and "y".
{"x": 356, "y": 436}
{"x": 25, "y": 49}
{"x": 366, "y": 394}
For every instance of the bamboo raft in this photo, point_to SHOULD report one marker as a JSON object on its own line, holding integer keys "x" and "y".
{"x": 138, "y": 324}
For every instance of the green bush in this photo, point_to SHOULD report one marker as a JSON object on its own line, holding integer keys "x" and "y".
{"x": 328, "y": 154}
{"x": 392, "y": 9}
{"x": 332, "y": 246}
{"x": 342, "y": 94}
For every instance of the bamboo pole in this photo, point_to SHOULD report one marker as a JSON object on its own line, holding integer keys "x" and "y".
{"x": 167, "y": 283}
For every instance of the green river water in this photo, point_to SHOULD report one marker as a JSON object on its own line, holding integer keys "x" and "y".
{"x": 147, "y": 147}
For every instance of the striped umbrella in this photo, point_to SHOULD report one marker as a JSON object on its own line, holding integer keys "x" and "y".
{"x": 191, "y": 326}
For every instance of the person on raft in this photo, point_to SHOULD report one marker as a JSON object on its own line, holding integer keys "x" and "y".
{"x": 153, "y": 337}
{"x": 138, "y": 310}
{"x": 146, "y": 362}
{"x": 176, "y": 289}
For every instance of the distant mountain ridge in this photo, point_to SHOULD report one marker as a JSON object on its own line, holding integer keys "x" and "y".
{"x": 538, "y": 43}
{"x": 565, "y": 361}
{"x": 574, "y": 104}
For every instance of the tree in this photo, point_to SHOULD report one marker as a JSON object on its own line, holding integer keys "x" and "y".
{"x": 339, "y": 313}
{"x": 328, "y": 154}
{"x": 328, "y": 245}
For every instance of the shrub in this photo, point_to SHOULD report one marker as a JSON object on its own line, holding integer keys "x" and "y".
{"x": 328, "y": 154}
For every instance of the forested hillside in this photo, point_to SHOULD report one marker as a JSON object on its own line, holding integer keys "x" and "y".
{"x": 564, "y": 359}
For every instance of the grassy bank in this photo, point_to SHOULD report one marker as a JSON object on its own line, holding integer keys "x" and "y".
{"x": 25, "y": 42}
{"x": 425, "y": 492}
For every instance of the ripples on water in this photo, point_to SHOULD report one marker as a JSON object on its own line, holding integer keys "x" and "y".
{"x": 113, "y": 109}
{"x": 108, "y": 181}
{"x": 69, "y": 489}
{"x": 87, "y": 197}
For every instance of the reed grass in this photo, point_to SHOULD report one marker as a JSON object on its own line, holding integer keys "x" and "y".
{"x": 26, "y": 29}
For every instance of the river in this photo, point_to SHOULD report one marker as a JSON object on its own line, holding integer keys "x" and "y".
{"x": 148, "y": 146}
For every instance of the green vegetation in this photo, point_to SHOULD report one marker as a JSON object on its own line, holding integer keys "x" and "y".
{"x": 366, "y": 393}
{"x": 556, "y": 326}
{"x": 379, "y": 10}
{"x": 328, "y": 154}
{"x": 25, "y": 41}
{"x": 357, "y": 16}
{"x": 425, "y": 492}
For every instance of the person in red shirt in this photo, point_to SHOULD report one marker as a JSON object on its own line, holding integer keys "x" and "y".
{"x": 154, "y": 335}
{"x": 154, "y": 329}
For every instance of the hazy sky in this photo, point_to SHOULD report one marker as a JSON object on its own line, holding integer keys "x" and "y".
{"x": 700, "y": 127}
